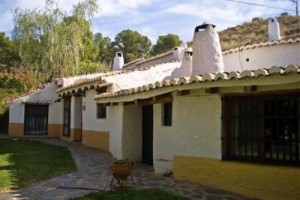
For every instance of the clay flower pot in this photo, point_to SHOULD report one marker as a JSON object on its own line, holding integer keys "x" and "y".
{"x": 121, "y": 168}
{"x": 121, "y": 171}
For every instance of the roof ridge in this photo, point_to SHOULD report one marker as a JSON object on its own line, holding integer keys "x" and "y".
{"x": 155, "y": 57}
{"x": 262, "y": 44}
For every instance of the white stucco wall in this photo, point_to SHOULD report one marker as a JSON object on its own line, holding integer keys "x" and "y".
{"x": 132, "y": 132}
{"x": 16, "y": 112}
{"x": 115, "y": 119}
{"x": 76, "y": 112}
{"x": 263, "y": 57}
{"x": 89, "y": 115}
{"x": 47, "y": 95}
{"x": 113, "y": 123}
{"x": 55, "y": 115}
{"x": 195, "y": 130}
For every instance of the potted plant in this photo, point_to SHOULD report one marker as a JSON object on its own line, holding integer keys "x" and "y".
{"x": 121, "y": 169}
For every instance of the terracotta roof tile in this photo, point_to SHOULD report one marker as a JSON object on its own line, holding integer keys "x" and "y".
{"x": 204, "y": 78}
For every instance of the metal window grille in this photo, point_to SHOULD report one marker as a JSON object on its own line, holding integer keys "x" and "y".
{"x": 36, "y": 119}
{"x": 261, "y": 128}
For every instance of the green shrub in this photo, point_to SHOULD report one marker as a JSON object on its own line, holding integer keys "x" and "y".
{"x": 11, "y": 83}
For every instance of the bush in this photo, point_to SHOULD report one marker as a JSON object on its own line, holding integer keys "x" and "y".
{"x": 11, "y": 83}
{"x": 88, "y": 67}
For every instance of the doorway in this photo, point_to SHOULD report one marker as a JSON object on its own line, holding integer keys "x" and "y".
{"x": 147, "y": 128}
{"x": 67, "y": 116}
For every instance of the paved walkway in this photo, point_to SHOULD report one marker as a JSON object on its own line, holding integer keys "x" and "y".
{"x": 93, "y": 174}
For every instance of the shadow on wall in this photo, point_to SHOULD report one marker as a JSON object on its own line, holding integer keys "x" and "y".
{"x": 4, "y": 120}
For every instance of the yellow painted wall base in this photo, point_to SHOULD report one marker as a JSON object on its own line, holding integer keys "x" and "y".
{"x": 54, "y": 130}
{"x": 96, "y": 139}
{"x": 16, "y": 130}
{"x": 256, "y": 180}
{"x": 75, "y": 135}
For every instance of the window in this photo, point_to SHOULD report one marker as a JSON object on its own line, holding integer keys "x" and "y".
{"x": 262, "y": 128}
{"x": 36, "y": 119}
{"x": 167, "y": 114}
{"x": 101, "y": 111}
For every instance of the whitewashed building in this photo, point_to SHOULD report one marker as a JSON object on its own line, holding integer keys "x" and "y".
{"x": 199, "y": 102}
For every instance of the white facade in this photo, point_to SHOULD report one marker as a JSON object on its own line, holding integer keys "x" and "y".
{"x": 89, "y": 114}
{"x": 196, "y": 117}
{"x": 263, "y": 57}
{"x": 47, "y": 95}
{"x": 195, "y": 130}
{"x": 76, "y": 112}
{"x": 115, "y": 122}
{"x": 132, "y": 132}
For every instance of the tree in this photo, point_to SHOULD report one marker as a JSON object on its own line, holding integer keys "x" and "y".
{"x": 52, "y": 44}
{"x": 132, "y": 44}
{"x": 104, "y": 49}
{"x": 8, "y": 52}
{"x": 165, "y": 43}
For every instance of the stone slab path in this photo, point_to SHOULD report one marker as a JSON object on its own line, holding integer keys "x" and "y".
{"x": 93, "y": 174}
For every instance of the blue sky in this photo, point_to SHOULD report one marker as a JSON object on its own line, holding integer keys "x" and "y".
{"x": 157, "y": 17}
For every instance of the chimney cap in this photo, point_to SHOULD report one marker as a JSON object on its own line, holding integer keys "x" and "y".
{"x": 273, "y": 19}
{"x": 203, "y": 26}
{"x": 119, "y": 54}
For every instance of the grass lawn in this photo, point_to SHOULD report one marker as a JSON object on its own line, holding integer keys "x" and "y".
{"x": 23, "y": 162}
{"x": 127, "y": 194}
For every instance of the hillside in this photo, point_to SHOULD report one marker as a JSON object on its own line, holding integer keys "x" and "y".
{"x": 256, "y": 31}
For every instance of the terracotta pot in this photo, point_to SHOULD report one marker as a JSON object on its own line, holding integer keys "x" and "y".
{"x": 121, "y": 171}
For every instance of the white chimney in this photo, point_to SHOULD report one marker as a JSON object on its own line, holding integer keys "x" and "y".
{"x": 207, "y": 53}
{"x": 118, "y": 61}
{"x": 273, "y": 29}
{"x": 186, "y": 66}
{"x": 178, "y": 52}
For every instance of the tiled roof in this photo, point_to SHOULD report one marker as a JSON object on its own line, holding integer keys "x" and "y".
{"x": 155, "y": 57}
{"x": 277, "y": 42}
{"x": 133, "y": 62}
{"x": 38, "y": 102}
{"x": 96, "y": 80}
{"x": 204, "y": 78}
